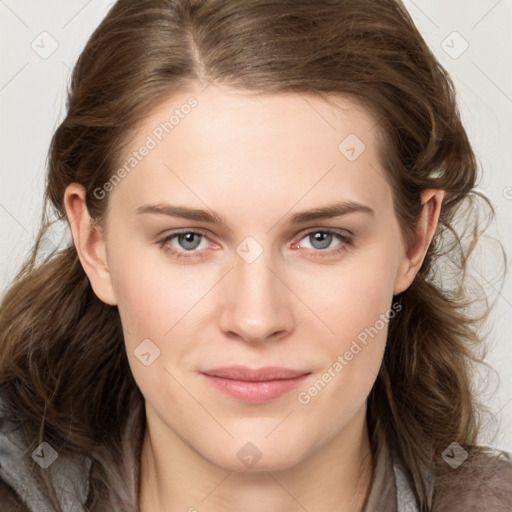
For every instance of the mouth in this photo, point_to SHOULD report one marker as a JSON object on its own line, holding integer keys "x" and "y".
{"x": 255, "y": 385}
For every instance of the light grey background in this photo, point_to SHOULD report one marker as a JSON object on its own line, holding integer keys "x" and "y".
{"x": 40, "y": 42}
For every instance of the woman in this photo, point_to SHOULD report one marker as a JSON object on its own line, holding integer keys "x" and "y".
{"x": 304, "y": 354}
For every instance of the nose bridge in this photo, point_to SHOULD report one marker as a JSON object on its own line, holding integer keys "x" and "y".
{"x": 256, "y": 303}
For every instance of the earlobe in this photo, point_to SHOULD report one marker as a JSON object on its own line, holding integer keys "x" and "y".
{"x": 89, "y": 243}
{"x": 413, "y": 257}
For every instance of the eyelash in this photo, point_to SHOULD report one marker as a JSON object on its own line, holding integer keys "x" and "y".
{"x": 320, "y": 253}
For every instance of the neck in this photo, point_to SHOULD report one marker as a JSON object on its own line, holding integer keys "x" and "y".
{"x": 175, "y": 478}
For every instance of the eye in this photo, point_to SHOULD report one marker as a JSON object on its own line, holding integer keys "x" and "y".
{"x": 188, "y": 241}
{"x": 322, "y": 239}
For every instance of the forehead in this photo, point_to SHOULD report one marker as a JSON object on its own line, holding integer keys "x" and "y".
{"x": 284, "y": 146}
{"x": 226, "y": 116}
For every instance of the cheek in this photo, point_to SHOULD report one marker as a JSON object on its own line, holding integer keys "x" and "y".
{"x": 147, "y": 295}
{"x": 352, "y": 296}
{"x": 357, "y": 307}
{"x": 155, "y": 303}
{"x": 139, "y": 303}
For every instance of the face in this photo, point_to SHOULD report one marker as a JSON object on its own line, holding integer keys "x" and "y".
{"x": 257, "y": 285}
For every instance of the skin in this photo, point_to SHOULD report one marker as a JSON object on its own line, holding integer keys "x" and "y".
{"x": 256, "y": 161}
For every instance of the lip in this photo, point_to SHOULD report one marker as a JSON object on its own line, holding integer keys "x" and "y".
{"x": 255, "y": 385}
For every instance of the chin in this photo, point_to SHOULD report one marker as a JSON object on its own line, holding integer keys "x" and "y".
{"x": 255, "y": 456}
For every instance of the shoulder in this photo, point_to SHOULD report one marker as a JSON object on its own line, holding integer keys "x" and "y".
{"x": 20, "y": 483}
{"x": 10, "y": 459}
{"x": 482, "y": 482}
{"x": 10, "y": 500}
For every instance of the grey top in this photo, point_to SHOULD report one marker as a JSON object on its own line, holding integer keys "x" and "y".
{"x": 70, "y": 475}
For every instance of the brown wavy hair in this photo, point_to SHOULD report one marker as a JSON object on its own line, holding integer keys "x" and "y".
{"x": 63, "y": 366}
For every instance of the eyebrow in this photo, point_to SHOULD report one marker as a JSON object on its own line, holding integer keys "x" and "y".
{"x": 212, "y": 217}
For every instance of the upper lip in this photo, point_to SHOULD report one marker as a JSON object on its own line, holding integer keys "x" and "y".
{"x": 257, "y": 374}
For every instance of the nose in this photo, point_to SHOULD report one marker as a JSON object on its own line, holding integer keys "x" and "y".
{"x": 256, "y": 303}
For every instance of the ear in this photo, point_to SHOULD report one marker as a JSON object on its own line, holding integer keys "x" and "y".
{"x": 89, "y": 243}
{"x": 431, "y": 199}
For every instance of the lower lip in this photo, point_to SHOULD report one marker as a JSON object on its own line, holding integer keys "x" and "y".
{"x": 255, "y": 392}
